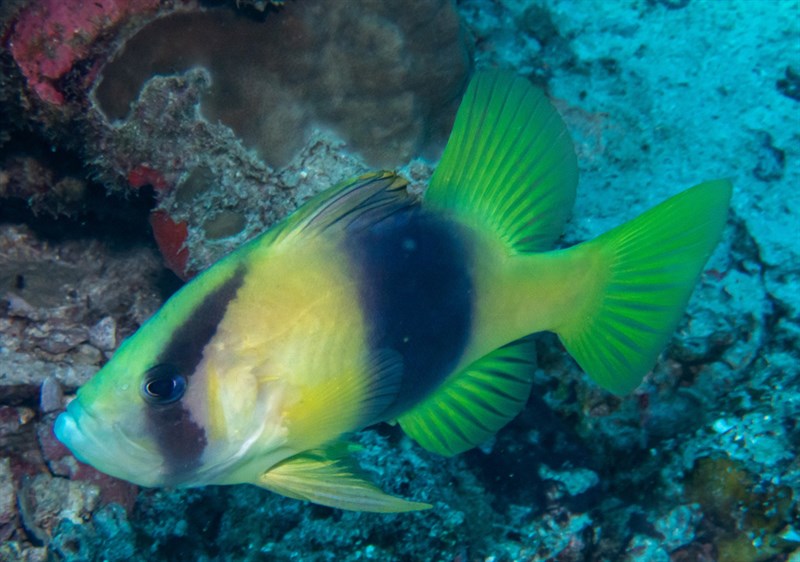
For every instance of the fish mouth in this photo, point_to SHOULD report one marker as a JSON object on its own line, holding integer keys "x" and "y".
{"x": 68, "y": 430}
{"x": 104, "y": 446}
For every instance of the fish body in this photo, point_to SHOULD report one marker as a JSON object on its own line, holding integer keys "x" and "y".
{"x": 370, "y": 305}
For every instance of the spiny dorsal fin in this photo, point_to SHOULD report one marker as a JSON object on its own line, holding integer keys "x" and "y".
{"x": 356, "y": 203}
{"x": 475, "y": 403}
{"x": 331, "y": 477}
{"x": 509, "y": 167}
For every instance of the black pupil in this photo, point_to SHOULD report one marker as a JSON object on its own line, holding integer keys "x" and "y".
{"x": 164, "y": 385}
{"x": 161, "y": 388}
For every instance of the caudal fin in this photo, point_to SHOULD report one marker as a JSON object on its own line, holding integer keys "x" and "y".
{"x": 643, "y": 273}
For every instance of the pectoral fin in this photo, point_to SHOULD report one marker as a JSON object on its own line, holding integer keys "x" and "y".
{"x": 329, "y": 477}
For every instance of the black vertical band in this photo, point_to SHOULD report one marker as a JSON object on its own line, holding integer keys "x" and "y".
{"x": 416, "y": 294}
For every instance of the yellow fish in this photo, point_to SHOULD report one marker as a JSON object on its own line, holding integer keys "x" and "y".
{"x": 368, "y": 305}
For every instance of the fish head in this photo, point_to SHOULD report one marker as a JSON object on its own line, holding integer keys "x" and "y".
{"x": 177, "y": 405}
{"x": 133, "y": 420}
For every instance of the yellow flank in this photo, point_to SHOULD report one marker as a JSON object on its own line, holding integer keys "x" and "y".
{"x": 293, "y": 342}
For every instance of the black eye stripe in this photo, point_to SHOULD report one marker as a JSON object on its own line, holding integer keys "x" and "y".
{"x": 181, "y": 439}
{"x": 185, "y": 347}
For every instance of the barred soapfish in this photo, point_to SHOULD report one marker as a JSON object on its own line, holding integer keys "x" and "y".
{"x": 371, "y": 305}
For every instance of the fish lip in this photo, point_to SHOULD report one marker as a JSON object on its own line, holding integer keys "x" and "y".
{"x": 64, "y": 426}
{"x": 73, "y": 428}
{"x": 68, "y": 430}
{"x": 69, "y": 422}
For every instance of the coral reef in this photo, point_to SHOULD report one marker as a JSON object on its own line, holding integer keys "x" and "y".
{"x": 159, "y": 90}
{"x": 66, "y": 306}
{"x": 700, "y": 463}
{"x": 49, "y": 40}
{"x": 381, "y": 77}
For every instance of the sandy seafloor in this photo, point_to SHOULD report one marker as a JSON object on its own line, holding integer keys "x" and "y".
{"x": 699, "y": 463}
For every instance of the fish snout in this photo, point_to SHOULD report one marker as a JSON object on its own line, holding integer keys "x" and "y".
{"x": 67, "y": 430}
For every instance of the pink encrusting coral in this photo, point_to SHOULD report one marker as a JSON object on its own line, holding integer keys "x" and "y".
{"x": 143, "y": 174}
{"x": 171, "y": 239}
{"x": 51, "y": 36}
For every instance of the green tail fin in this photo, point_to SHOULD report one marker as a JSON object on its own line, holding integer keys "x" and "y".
{"x": 642, "y": 275}
{"x": 475, "y": 403}
{"x": 509, "y": 167}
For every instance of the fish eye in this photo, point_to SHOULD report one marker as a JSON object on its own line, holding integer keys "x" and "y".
{"x": 163, "y": 384}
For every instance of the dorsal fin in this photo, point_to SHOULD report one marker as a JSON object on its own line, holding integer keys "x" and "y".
{"x": 356, "y": 203}
{"x": 509, "y": 167}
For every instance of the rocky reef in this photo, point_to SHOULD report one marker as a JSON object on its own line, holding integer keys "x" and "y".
{"x": 220, "y": 110}
{"x": 135, "y": 134}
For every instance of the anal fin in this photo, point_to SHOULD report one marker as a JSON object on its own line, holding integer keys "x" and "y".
{"x": 473, "y": 404}
{"x": 330, "y": 477}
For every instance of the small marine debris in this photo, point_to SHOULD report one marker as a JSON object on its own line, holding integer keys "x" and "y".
{"x": 789, "y": 85}
{"x": 770, "y": 160}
